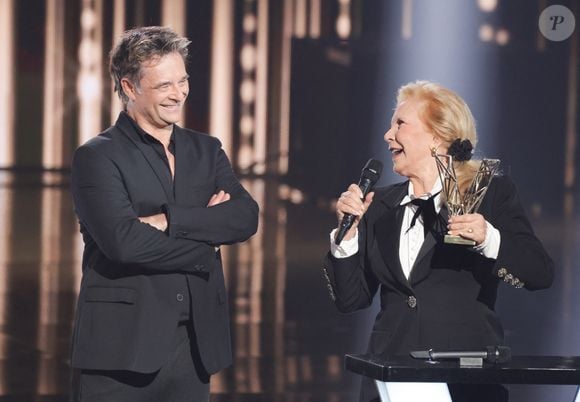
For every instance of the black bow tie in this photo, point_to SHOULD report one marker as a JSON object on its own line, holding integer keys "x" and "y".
{"x": 425, "y": 209}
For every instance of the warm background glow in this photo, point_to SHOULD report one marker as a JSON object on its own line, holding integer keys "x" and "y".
{"x": 299, "y": 92}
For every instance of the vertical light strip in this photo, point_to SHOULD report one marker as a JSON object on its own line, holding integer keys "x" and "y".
{"x": 242, "y": 289}
{"x": 257, "y": 263}
{"x": 7, "y": 80}
{"x": 285, "y": 67}
{"x": 300, "y": 19}
{"x": 118, "y": 29}
{"x": 248, "y": 63}
{"x": 50, "y": 237}
{"x": 281, "y": 225}
{"x": 407, "y": 20}
{"x": 571, "y": 128}
{"x": 52, "y": 130}
{"x": 5, "y": 237}
{"x": 279, "y": 293}
{"x": 254, "y": 371}
{"x": 89, "y": 82}
{"x": 255, "y": 343}
{"x": 6, "y": 216}
{"x": 292, "y": 369}
{"x": 261, "y": 111}
{"x": 222, "y": 73}
{"x": 315, "y": 18}
{"x": 540, "y": 39}
{"x": 173, "y": 13}
{"x": 248, "y": 301}
{"x": 570, "y": 226}
{"x": 306, "y": 369}
{"x": 343, "y": 20}
{"x": 98, "y": 61}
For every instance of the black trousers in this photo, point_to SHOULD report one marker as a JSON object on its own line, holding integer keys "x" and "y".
{"x": 182, "y": 379}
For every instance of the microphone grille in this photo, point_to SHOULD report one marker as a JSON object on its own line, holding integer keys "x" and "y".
{"x": 373, "y": 169}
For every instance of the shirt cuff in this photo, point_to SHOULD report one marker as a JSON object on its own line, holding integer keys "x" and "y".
{"x": 346, "y": 248}
{"x": 490, "y": 246}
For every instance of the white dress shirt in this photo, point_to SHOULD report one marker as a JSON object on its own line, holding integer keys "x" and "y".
{"x": 412, "y": 238}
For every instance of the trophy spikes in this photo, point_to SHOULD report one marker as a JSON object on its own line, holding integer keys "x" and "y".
{"x": 480, "y": 184}
{"x": 467, "y": 203}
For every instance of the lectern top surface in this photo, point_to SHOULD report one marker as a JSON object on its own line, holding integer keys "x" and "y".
{"x": 520, "y": 370}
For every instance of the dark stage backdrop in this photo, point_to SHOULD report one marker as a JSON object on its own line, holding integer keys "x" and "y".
{"x": 343, "y": 95}
{"x": 313, "y": 104}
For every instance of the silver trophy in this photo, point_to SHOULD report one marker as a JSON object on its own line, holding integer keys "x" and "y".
{"x": 463, "y": 203}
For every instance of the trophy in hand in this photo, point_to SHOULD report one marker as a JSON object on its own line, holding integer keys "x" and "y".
{"x": 459, "y": 203}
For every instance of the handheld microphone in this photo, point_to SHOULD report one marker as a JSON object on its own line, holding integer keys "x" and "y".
{"x": 368, "y": 177}
{"x": 492, "y": 354}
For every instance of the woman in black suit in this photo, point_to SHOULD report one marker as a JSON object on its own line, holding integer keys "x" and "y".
{"x": 433, "y": 295}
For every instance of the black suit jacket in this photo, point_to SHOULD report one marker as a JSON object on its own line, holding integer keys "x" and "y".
{"x": 448, "y": 300}
{"x": 127, "y": 309}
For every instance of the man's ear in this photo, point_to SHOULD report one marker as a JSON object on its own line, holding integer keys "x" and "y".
{"x": 129, "y": 88}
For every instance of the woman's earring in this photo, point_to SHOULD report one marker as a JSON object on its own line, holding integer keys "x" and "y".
{"x": 433, "y": 149}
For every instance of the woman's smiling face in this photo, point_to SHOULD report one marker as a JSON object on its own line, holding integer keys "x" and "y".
{"x": 410, "y": 141}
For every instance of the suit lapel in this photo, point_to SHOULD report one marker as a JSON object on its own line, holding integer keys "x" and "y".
{"x": 157, "y": 165}
{"x": 387, "y": 230}
{"x": 421, "y": 268}
{"x": 186, "y": 157}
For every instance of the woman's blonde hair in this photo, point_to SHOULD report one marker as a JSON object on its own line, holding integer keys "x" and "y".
{"x": 448, "y": 117}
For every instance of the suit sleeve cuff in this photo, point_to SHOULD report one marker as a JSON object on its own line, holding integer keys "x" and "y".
{"x": 490, "y": 246}
{"x": 165, "y": 211}
{"x": 174, "y": 229}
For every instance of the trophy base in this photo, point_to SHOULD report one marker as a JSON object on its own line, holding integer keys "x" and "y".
{"x": 450, "y": 239}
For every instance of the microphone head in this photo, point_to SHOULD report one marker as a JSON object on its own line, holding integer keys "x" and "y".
{"x": 499, "y": 354}
{"x": 372, "y": 170}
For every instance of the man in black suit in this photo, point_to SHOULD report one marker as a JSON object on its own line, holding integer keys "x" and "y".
{"x": 155, "y": 202}
{"x": 433, "y": 294}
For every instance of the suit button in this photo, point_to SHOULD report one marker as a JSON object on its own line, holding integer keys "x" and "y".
{"x": 412, "y": 301}
{"x": 182, "y": 233}
{"x": 179, "y": 297}
{"x": 509, "y": 278}
{"x": 198, "y": 267}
